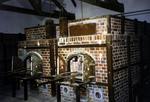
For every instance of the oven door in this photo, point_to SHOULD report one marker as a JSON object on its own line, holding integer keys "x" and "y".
{"x": 82, "y": 64}
{"x": 33, "y": 64}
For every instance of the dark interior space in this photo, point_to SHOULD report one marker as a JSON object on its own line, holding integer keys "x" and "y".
{"x": 8, "y": 50}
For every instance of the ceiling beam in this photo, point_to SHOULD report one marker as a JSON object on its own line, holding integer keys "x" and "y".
{"x": 74, "y": 3}
{"x": 59, "y": 5}
{"x": 55, "y": 14}
{"x": 37, "y": 5}
{"x": 110, "y": 4}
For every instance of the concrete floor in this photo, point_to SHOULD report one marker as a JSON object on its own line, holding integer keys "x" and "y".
{"x": 35, "y": 96}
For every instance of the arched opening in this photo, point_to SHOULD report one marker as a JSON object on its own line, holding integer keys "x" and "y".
{"x": 83, "y": 64}
{"x": 33, "y": 63}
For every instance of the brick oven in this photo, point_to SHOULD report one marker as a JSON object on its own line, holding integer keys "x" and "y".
{"x": 105, "y": 47}
{"x": 104, "y": 50}
{"x": 39, "y": 52}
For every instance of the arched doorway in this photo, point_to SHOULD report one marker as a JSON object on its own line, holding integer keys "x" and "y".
{"x": 81, "y": 63}
{"x": 33, "y": 62}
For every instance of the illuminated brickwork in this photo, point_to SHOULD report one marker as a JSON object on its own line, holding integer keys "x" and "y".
{"x": 101, "y": 24}
{"x": 96, "y": 52}
{"x": 30, "y": 46}
{"x": 36, "y": 42}
{"x": 115, "y": 25}
{"x": 82, "y": 40}
{"x": 119, "y": 51}
{"x": 36, "y": 33}
{"x": 107, "y": 48}
{"x": 121, "y": 47}
{"x": 99, "y": 54}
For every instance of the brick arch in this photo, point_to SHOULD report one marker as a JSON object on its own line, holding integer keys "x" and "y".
{"x": 81, "y": 52}
{"x": 33, "y": 53}
{"x": 87, "y": 64}
{"x": 74, "y": 54}
{"x": 39, "y": 65}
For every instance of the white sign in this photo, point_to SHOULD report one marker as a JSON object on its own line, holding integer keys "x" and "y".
{"x": 98, "y": 95}
{"x": 95, "y": 94}
{"x": 67, "y": 94}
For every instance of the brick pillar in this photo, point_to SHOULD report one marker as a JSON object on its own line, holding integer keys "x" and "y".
{"x": 63, "y": 22}
{"x": 50, "y": 29}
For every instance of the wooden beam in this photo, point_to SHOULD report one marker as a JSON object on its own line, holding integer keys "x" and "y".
{"x": 74, "y": 3}
{"x": 111, "y": 5}
{"x": 59, "y": 5}
{"x": 37, "y": 5}
{"x": 55, "y": 14}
